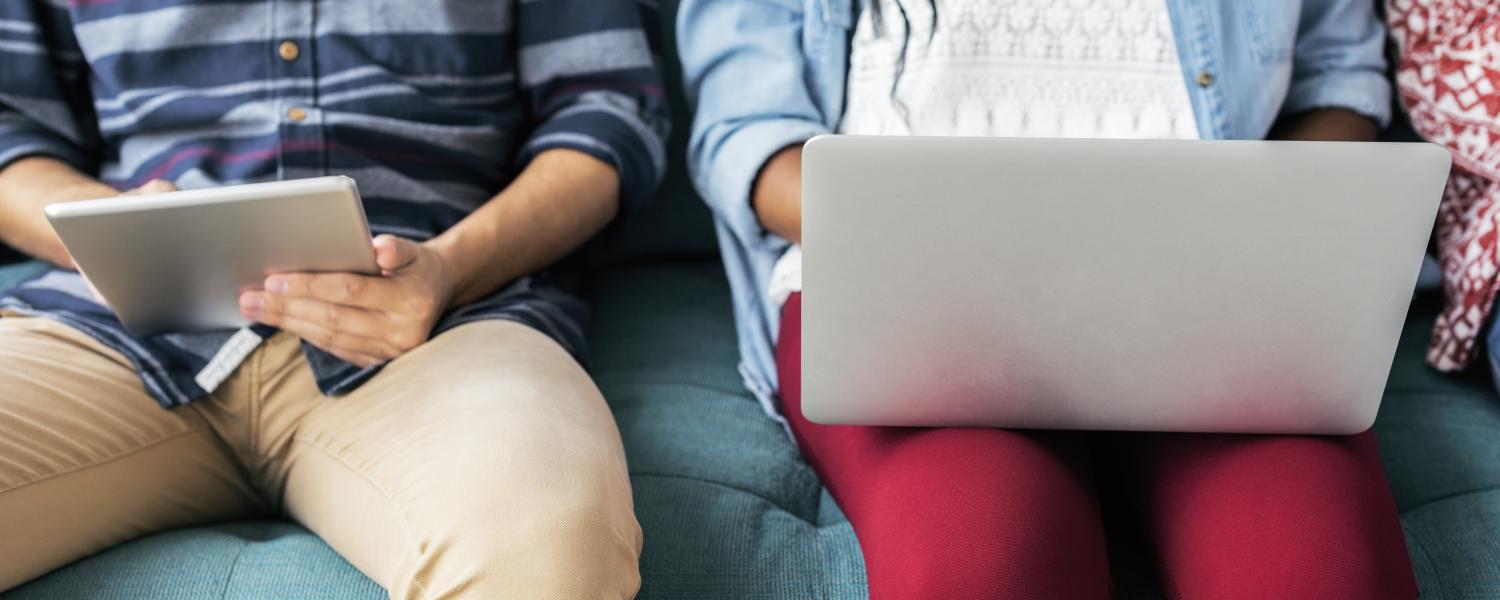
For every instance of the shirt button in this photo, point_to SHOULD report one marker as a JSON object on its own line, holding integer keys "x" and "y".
{"x": 296, "y": 115}
{"x": 288, "y": 51}
{"x": 1205, "y": 79}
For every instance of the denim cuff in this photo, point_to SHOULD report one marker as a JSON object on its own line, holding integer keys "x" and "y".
{"x": 737, "y": 162}
{"x": 1363, "y": 91}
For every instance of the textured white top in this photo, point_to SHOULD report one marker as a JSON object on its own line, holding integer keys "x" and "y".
{"x": 1020, "y": 68}
{"x": 1012, "y": 68}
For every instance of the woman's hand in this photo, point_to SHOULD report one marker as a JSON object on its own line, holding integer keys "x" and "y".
{"x": 362, "y": 319}
{"x": 1326, "y": 124}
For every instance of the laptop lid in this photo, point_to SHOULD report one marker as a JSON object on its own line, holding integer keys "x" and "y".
{"x": 1216, "y": 286}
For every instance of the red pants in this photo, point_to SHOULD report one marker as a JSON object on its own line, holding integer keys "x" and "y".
{"x": 990, "y": 513}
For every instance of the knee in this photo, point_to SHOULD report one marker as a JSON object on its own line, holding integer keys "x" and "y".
{"x": 929, "y": 530}
{"x": 987, "y": 548}
{"x": 578, "y": 540}
{"x": 1311, "y": 561}
{"x": 1357, "y": 564}
{"x": 575, "y": 526}
{"x": 584, "y": 548}
{"x": 1314, "y": 577}
{"x": 533, "y": 519}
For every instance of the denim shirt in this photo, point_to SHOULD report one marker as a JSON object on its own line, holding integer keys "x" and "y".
{"x": 767, "y": 74}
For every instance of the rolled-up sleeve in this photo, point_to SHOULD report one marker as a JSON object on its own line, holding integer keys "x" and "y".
{"x": 1340, "y": 60}
{"x": 745, "y": 72}
{"x": 45, "y": 105}
{"x": 594, "y": 86}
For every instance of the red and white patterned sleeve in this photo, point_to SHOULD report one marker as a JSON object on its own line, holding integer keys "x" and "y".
{"x": 1448, "y": 79}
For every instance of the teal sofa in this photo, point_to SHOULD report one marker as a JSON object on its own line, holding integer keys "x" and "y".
{"x": 729, "y": 509}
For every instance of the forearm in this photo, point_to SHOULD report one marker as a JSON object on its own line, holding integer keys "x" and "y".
{"x": 1327, "y": 124}
{"x": 777, "y": 197}
{"x": 29, "y": 185}
{"x": 557, "y": 203}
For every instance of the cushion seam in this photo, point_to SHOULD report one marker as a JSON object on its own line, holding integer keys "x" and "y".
{"x": 265, "y": 532}
{"x": 1427, "y": 558}
{"x": 731, "y": 487}
{"x": 1446, "y": 498}
{"x": 732, "y": 390}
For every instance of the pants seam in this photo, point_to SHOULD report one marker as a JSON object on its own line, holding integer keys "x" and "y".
{"x": 252, "y": 412}
{"x": 406, "y": 528}
{"x": 1426, "y": 557}
{"x": 111, "y": 459}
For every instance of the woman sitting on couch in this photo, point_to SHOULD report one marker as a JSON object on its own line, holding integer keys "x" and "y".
{"x": 988, "y": 513}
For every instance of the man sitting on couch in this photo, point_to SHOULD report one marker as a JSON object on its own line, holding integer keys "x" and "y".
{"x": 488, "y": 140}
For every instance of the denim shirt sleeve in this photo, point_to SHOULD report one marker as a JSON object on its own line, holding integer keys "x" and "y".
{"x": 743, "y": 67}
{"x": 1339, "y": 60}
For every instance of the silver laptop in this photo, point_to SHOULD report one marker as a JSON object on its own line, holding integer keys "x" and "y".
{"x": 1252, "y": 287}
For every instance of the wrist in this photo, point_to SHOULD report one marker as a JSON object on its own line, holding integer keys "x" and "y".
{"x": 776, "y": 194}
{"x": 450, "y": 275}
{"x": 459, "y": 251}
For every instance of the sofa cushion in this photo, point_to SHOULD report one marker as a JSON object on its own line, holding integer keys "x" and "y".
{"x": 728, "y": 506}
{"x": 1439, "y": 434}
{"x": 1439, "y": 438}
{"x": 235, "y": 561}
{"x": 1455, "y": 546}
{"x": 664, "y": 353}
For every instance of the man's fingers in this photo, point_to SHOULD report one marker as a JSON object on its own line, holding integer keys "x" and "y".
{"x": 359, "y": 360}
{"x": 337, "y": 288}
{"x": 355, "y": 349}
{"x": 348, "y": 319}
{"x": 393, "y": 253}
{"x": 155, "y": 186}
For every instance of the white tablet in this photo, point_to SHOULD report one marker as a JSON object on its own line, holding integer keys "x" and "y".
{"x": 177, "y": 262}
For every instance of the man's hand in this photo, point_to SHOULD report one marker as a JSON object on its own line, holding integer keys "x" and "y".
{"x": 557, "y": 202}
{"x": 362, "y": 319}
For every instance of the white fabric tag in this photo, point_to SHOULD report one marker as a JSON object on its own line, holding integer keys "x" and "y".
{"x": 228, "y": 358}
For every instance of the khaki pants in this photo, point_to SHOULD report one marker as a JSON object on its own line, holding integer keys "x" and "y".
{"x": 483, "y": 464}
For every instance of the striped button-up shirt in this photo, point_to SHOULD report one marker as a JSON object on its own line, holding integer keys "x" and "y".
{"x": 432, "y": 106}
